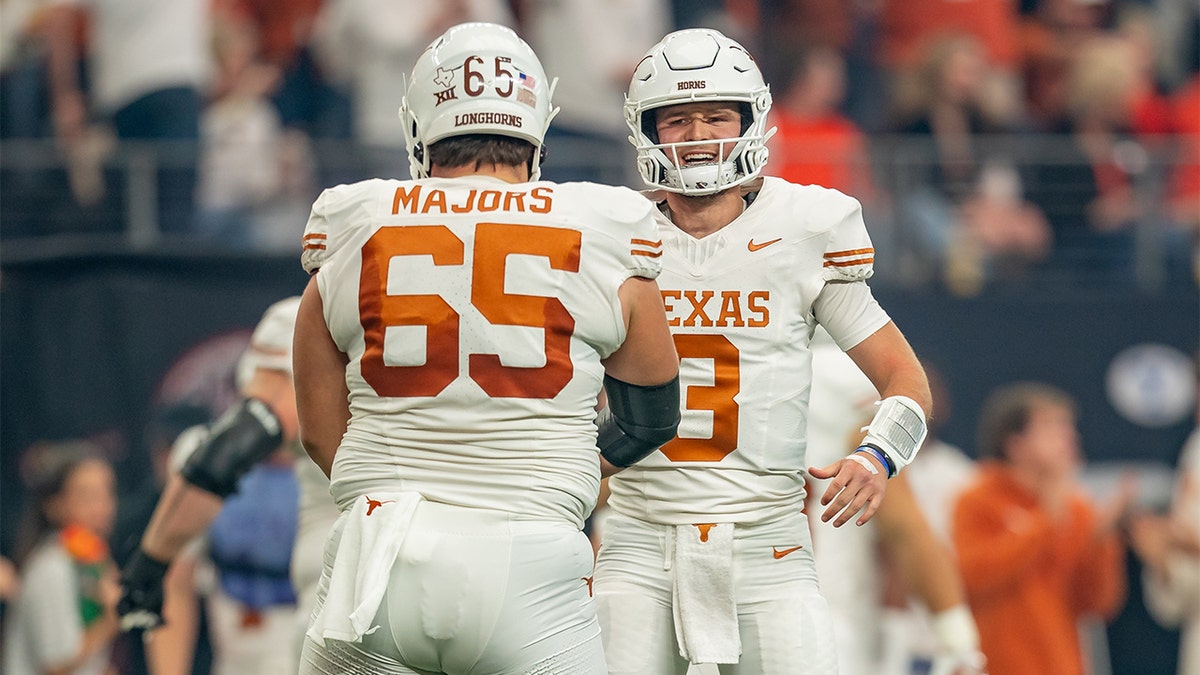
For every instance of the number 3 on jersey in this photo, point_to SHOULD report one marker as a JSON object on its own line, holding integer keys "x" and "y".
{"x": 717, "y": 398}
{"x": 494, "y": 242}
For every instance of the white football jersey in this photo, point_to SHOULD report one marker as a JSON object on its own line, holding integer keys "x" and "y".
{"x": 475, "y": 314}
{"x": 740, "y": 303}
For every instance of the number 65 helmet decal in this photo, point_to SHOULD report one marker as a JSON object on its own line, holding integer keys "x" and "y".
{"x": 477, "y": 78}
{"x": 688, "y": 66}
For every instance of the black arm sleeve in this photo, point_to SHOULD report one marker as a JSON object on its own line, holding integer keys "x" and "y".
{"x": 245, "y": 434}
{"x": 642, "y": 419}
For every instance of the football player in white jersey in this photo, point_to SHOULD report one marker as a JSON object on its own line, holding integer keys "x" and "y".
{"x": 706, "y": 556}
{"x": 213, "y": 463}
{"x": 450, "y": 351}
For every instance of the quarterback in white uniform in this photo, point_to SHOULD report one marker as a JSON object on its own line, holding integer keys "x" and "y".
{"x": 707, "y": 556}
{"x": 450, "y": 351}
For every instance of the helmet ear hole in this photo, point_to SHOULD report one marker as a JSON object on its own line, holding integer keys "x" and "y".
{"x": 418, "y": 152}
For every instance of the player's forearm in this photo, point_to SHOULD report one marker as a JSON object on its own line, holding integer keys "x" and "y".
{"x": 925, "y": 564}
{"x": 183, "y": 512}
{"x": 170, "y": 648}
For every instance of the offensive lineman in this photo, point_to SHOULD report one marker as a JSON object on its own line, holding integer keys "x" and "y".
{"x": 449, "y": 353}
{"x": 707, "y": 555}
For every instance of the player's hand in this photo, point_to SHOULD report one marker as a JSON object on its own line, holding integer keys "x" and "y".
{"x": 141, "y": 603}
{"x": 853, "y": 490}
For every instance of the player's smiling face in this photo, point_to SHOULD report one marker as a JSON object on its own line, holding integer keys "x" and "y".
{"x": 698, "y": 121}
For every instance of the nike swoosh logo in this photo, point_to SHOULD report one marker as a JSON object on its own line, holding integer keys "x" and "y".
{"x": 779, "y": 554}
{"x": 758, "y": 247}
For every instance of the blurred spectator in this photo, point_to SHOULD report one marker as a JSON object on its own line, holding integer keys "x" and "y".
{"x": 1086, "y": 188}
{"x": 592, "y": 48}
{"x": 148, "y": 62}
{"x": 1036, "y": 554}
{"x": 251, "y": 168}
{"x": 23, "y": 103}
{"x": 1183, "y": 191}
{"x": 1169, "y": 548}
{"x": 909, "y": 27}
{"x": 1051, "y": 35}
{"x": 367, "y": 46}
{"x": 283, "y": 36}
{"x": 815, "y": 143}
{"x": 968, "y": 214}
{"x": 64, "y": 619}
{"x": 1150, "y": 110}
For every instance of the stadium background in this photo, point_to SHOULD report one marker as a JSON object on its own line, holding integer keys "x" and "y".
{"x": 110, "y": 317}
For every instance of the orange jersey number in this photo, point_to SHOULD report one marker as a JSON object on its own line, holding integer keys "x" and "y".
{"x": 717, "y": 398}
{"x": 494, "y": 242}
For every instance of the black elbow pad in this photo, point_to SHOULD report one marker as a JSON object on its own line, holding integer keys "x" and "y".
{"x": 245, "y": 434}
{"x": 642, "y": 419}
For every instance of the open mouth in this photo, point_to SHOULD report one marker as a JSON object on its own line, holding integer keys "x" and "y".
{"x": 699, "y": 158}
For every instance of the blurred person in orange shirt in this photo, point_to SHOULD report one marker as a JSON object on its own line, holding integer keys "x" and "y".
{"x": 1184, "y": 189}
{"x": 816, "y": 144}
{"x": 1036, "y": 554}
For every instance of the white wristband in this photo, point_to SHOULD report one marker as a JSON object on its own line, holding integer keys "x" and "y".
{"x": 955, "y": 630}
{"x": 865, "y": 462}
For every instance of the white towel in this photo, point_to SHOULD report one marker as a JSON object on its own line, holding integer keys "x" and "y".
{"x": 706, "y": 624}
{"x": 375, "y": 529}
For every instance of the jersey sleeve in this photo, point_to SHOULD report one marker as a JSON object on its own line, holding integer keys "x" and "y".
{"x": 849, "y": 255}
{"x": 645, "y": 244}
{"x": 335, "y": 205}
{"x": 631, "y": 221}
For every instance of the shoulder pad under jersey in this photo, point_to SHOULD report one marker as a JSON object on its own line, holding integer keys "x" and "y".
{"x": 333, "y": 213}
{"x": 624, "y": 216}
{"x": 837, "y": 217}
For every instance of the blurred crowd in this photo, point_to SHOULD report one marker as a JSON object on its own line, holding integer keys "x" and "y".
{"x": 987, "y": 139}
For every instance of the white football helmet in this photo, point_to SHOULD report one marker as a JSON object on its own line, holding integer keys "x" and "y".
{"x": 698, "y": 64}
{"x": 477, "y": 78}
